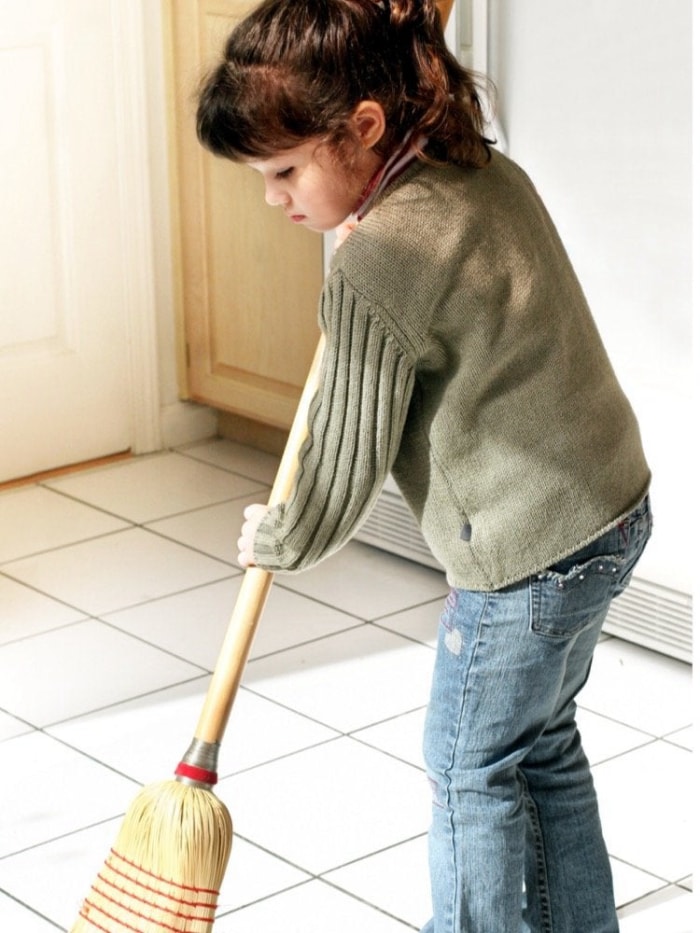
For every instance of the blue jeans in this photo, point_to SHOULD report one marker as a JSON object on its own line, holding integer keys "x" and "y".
{"x": 515, "y": 841}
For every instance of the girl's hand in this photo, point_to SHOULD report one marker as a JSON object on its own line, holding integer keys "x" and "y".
{"x": 253, "y": 515}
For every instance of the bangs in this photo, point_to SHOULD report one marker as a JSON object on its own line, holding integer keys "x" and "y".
{"x": 252, "y": 112}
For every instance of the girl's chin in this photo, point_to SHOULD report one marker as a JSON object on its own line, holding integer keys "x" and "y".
{"x": 317, "y": 226}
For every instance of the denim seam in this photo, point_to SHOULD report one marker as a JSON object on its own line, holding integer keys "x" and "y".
{"x": 448, "y": 770}
{"x": 540, "y": 858}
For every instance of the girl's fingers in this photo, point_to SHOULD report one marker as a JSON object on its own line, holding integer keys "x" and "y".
{"x": 253, "y": 515}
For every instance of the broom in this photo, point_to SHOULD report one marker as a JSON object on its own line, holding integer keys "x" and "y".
{"x": 165, "y": 870}
{"x": 170, "y": 856}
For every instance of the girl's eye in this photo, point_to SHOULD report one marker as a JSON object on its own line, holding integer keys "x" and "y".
{"x": 284, "y": 173}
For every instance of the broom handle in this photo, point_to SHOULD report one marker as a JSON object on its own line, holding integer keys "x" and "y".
{"x": 256, "y": 583}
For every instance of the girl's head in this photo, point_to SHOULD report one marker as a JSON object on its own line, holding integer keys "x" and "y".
{"x": 297, "y": 70}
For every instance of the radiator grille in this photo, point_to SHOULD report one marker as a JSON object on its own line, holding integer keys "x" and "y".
{"x": 655, "y": 617}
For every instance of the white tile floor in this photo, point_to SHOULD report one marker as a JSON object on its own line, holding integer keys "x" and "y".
{"x": 115, "y": 589}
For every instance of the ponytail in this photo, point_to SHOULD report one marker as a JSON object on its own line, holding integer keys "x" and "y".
{"x": 296, "y": 69}
{"x": 445, "y": 99}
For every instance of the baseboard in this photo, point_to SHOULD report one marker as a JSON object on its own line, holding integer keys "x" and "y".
{"x": 263, "y": 437}
{"x": 186, "y": 422}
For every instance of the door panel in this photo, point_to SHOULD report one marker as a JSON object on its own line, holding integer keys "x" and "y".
{"x": 250, "y": 279}
{"x": 64, "y": 380}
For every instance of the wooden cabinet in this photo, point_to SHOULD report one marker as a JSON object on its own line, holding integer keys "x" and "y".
{"x": 248, "y": 281}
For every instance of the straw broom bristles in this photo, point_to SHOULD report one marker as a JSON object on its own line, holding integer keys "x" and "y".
{"x": 166, "y": 867}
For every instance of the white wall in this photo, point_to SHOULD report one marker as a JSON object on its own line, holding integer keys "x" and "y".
{"x": 595, "y": 101}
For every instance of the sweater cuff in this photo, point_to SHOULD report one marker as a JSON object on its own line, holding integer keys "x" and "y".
{"x": 267, "y": 547}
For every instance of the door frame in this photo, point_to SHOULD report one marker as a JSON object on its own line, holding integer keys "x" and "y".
{"x": 137, "y": 238}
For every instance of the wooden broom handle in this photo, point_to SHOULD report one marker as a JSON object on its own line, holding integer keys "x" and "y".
{"x": 256, "y": 583}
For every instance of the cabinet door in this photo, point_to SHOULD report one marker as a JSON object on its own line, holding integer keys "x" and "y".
{"x": 249, "y": 280}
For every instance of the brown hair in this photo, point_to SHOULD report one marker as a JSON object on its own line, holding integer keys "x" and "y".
{"x": 296, "y": 69}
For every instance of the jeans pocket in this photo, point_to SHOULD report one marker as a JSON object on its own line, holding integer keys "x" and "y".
{"x": 565, "y": 601}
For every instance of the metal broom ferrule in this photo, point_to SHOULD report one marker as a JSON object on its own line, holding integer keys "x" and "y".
{"x": 199, "y": 764}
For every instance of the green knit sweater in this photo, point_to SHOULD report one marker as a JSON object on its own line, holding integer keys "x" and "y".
{"x": 462, "y": 357}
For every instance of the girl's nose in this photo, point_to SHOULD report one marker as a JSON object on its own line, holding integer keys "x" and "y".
{"x": 275, "y": 196}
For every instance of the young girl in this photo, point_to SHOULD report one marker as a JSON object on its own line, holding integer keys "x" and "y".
{"x": 462, "y": 357}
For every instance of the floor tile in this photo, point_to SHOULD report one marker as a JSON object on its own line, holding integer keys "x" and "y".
{"x": 79, "y": 668}
{"x": 17, "y": 918}
{"x": 645, "y": 801}
{"x": 147, "y": 488}
{"x": 639, "y": 687}
{"x": 67, "y": 866}
{"x": 24, "y": 612}
{"x": 238, "y": 458}
{"x": 401, "y": 737}
{"x": 117, "y": 571}
{"x": 213, "y": 530}
{"x": 10, "y": 726}
{"x": 145, "y": 738}
{"x": 253, "y": 874}
{"x": 59, "y": 791}
{"x": 604, "y": 738}
{"x": 346, "y": 647}
{"x": 291, "y": 619}
{"x": 310, "y": 908}
{"x": 396, "y": 880}
{"x": 39, "y": 520}
{"x": 192, "y": 624}
{"x": 671, "y": 910}
{"x": 420, "y": 622}
{"x": 632, "y": 883}
{"x": 369, "y": 583}
{"x": 683, "y": 737}
{"x": 328, "y": 805}
{"x": 349, "y": 680}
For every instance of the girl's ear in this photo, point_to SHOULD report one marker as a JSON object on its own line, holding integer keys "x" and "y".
{"x": 368, "y": 123}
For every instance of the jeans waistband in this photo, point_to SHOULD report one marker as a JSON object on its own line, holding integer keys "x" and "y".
{"x": 639, "y": 511}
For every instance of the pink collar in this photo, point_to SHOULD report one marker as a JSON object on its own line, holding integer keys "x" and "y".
{"x": 397, "y": 163}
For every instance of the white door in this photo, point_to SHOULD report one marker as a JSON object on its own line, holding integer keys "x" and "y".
{"x": 67, "y": 235}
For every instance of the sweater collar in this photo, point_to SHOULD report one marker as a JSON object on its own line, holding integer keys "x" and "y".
{"x": 395, "y": 165}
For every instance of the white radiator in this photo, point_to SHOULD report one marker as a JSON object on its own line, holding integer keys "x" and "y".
{"x": 646, "y": 613}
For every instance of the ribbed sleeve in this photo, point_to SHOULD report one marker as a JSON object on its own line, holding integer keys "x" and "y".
{"x": 355, "y": 426}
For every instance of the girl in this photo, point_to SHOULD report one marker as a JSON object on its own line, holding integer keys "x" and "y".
{"x": 462, "y": 357}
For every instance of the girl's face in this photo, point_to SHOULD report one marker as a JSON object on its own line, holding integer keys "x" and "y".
{"x": 312, "y": 185}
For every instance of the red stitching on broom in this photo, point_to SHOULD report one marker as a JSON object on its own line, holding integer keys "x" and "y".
{"x": 168, "y": 897}
{"x": 98, "y": 926}
{"x": 123, "y": 926}
{"x": 175, "y": 884}
{"x": 135, "y": 913}
{"x": 204, "y": 908}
